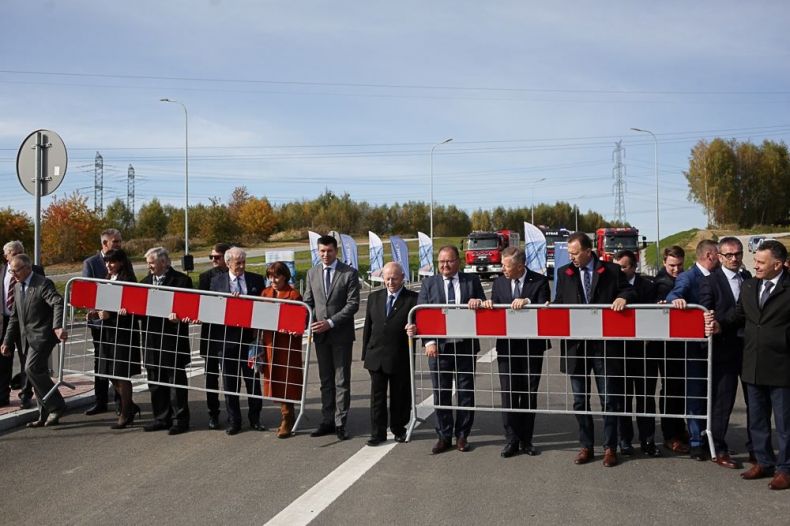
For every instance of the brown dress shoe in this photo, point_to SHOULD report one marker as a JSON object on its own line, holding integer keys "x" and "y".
{"x": 584, "y": 455}
{"x": 756, "y": 472}
{"x": 780, "y": 481}
{"x": 677, "y": 446}
{"x": 462, "y": 445}
{"x": 724, "y": 460}
{"x": 441, "y": 446}
{"x": 609, "y": 458}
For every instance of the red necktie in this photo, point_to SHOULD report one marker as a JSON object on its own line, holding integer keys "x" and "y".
{"x": 9, "y": 297}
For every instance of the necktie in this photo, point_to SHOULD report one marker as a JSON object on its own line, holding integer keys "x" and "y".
{"x": 390, "y": 303}
{"x": 766, "y": 292}
{"x": 234, "y": 285}
{"x": 738, "y": 280}
{"x": 158, "y": 280}
{"x": 327, "y": 279}
{"x": 450, "y": 291}
{"x": 587, "y": 283}
{"x": 9, "y": 295}
{"x": 517, "y": 289}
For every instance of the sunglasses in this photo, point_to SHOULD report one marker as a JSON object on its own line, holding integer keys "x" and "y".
{"x": 215, "y": 258}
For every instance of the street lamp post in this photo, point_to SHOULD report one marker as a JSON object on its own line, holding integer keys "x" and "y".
{"x": 431, "y": 194}
{"x": 658, "y": 231}
{"x": 532, "y": 220}
{"x": 187, "y": 262}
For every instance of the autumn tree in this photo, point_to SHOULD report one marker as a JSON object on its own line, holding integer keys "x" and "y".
{"x": 69, "y": 230}
{"x": 16, "y": 226}
{"x": 256, "y": 218}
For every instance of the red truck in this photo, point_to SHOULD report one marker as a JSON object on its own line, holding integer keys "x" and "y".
{"x": 609, "y": 241}
{"x": 484, "y": 252}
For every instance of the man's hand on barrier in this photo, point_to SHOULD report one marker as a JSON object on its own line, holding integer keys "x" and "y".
{"x": 173, "y": 317}
{"x": 679, "y": 303}
{"x": 91, "y": 315}
{"x": 475, "y": 303}
{"x": 488, "y": 304}
{"x": 519, "y": 303}
{"x": 711, "y": 325}
{"x": 431, "y": 350}
{"x": 321, "y": 326}
{"x": 103, "y": 315}
{"x": 411, "y": 329}
{"x": 5, "y": 351}
{"x": 619, "y": 304}
{"x": 61, "y": 334}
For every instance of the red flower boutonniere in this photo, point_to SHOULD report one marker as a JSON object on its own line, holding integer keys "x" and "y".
{"x": 601, "y": 270}
{"x": 569, "y": 271}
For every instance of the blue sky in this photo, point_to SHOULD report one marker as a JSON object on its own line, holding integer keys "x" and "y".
{"x": 291, "y": 98}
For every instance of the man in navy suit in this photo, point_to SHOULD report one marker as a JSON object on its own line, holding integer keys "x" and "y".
{"x": 94, "y": 267}
{"x": 519, "y": 361}
{"x": 233, "y": 343}
{"x": 385, "y": 353}
{"x": 588, "y": 280}
{"x": 686, "y": 291}
{"x": 719, "y": 292}
{"x": 452, "y": 358}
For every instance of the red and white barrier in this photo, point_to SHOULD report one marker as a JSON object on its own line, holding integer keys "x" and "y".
{"x": 656, "y": 323}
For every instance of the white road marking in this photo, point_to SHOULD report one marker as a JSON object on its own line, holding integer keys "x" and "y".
{"x": 315, "y": 500}
{"x": 489, "y": 357}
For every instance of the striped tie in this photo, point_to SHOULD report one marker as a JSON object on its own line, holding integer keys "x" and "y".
{"x": 9, "y": 297}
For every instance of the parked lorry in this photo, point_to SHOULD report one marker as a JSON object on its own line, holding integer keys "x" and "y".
{"x": 553, "y": 236}
{"x": 484, "y": 252}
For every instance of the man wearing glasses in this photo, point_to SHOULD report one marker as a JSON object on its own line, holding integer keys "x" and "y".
{"x": 720, "y": 292}
{"x": 212, "y": 359}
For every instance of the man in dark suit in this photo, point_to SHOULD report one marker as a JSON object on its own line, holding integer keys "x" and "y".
{"x": 764, "y": 307}
{"x": 233, "y": 343}
{"x": 587, "y": 279}
{"x": 37, "y": 324}
{"x": 385, "y": 353}
{"x": 19, "y": 381}
{"x": 719, "y": 292}
{"x": 212, "y": 360}
{"x": 686, "y": 291}
{"x": 519, "y": 361}
{"x": 332, "y": 291}
{"x": 167, "y": 353}
{"x": 94, "y": 267}
{"x": 450, "y": 359}
{"x": 641, "y": 370}
{"x": 670, "y": 369}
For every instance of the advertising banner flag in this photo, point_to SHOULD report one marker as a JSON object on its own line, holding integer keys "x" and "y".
{"x": 376, "y": 253}
{"x": 287, "y": 257}
{"x": 400, "y": 254}
{"x": 350, "y": 256}
{"x": 314, "y": 245}
{"x": 426, "y": 255}
{"x": 535, "y": 248}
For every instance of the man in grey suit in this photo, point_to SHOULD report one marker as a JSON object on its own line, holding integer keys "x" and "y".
{"x": 94, "y": 267}
{"x": 333, "y": 293}
{"x": 37, "y": 324}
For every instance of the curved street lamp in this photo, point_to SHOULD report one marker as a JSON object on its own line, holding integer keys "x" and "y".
{"x": 187, "y": 260}
{"x": 658, "y": 232}
{"x": 431, "y": 195}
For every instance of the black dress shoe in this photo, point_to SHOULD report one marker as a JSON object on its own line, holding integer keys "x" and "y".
{"x": 156, "y": 425}
{"x": 96, "y": 409}
{"x": 257, "y": 426}
{"x": 627, "y": 450}
{"x": 400, "y": 439}
{"x": 177, "y": 430}
{"x": 323, "y": 430}
{"x": 233, "y": 429}
{"x": 25, "y": 402}
{"x": 213, "y": 423}
{"x": 510, "y": 450}
{"x": 376, "y": 441}
{"x": 441, "y": 446}
{"x": 697, "y": 453}
{"x": 529, "y": 449}
{"x": 340, "y": 431}
{"x": 651, "y": 450}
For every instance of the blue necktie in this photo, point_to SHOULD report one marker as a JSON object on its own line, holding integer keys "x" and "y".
{"x": 450, "y": 291}
{"x": 587, "y": 283}
{"x": 390, "y": 303}
{"x": 517, "y": 289}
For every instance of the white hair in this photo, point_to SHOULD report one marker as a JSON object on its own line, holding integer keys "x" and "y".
{"x": 235, "y": 252}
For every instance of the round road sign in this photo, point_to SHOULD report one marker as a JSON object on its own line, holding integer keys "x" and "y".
{"x": 53, "y": 159}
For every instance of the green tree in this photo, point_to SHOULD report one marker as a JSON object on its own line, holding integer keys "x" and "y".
{"x": 152, "y": 220}
{"x": 118, "y": 216}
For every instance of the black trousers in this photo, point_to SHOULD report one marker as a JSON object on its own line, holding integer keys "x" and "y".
{"x": 670, "y": 359}
{"x": 234, "y": 372}
{"x": 100, "y": 384}
{"x": 400, "y": 403}
{"x": 641, "y": 372}
{"x": 7, "y": 368}
{"x": 456, "y": 361}
{"x": 724, "y": 392}
{"x": 169, "y": 404}
{"x": 519, "y": 379}
{"x": 213, "y": 363}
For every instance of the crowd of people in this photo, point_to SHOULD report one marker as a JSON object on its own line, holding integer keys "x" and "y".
{"x": 749, "y": 318}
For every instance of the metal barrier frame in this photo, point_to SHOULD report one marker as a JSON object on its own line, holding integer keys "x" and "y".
{"x": 68, "y": 312}
{"x": 413, "y": 349}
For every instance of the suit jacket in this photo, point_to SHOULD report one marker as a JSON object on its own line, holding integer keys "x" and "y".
{"x": 219, "y": 334}
{"x": 35, "y": 317}
{"x": 385, "y": 344}
{"x": 608, "y": 283}
{"x": 160, "y": 334}
{"x": 340, "y": 305}
{"x": 204, "y": 283}
{"x": 687, "y": 286}
{"x": 715, "y": 293}
{"x": 766, "y": 352}
{"x": 94, "y": 267}
{"x": 37, "y": 269}
{"x": 536, "y": 289}
{"x": 433, "y": 291}
{"x": 664, "y": 284}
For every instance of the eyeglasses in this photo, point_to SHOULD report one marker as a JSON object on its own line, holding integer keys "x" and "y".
{"x": 447, "y": 261}
{"x": 14, "y": 270}
{"x": 731, "y": 255}
{"x": 215, "y": 258}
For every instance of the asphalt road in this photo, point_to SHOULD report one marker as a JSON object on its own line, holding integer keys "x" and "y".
{"x": 81, "y": 472}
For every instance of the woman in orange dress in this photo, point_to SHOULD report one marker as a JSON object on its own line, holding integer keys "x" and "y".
{"x": 282, "y": 372}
